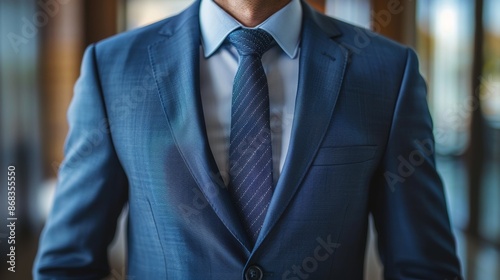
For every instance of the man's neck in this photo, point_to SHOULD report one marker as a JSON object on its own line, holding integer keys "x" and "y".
{"x": 251, "y": 12}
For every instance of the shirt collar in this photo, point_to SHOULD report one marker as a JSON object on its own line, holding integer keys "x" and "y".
{"x": 284, "y": 25}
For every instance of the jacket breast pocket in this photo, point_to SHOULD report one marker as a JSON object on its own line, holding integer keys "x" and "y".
{"x": 344, "y": 155}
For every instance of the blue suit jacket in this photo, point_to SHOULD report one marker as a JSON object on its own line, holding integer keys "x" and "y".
{"x": 361, "y": 143}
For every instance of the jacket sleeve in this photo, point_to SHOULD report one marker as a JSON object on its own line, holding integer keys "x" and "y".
{"x": 91, "y": 192}
{"x": 407, "y": 199}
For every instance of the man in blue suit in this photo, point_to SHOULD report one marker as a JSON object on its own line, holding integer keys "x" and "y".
{"x": 334, "y": 132}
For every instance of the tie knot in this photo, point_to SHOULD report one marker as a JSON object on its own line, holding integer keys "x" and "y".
{"x": 251, "y": 41}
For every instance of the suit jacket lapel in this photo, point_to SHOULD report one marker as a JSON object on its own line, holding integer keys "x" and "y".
{"x": 175, "y": 62}
{"x": 321, "y": 71}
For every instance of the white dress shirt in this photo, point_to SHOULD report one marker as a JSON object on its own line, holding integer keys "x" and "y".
{"x": 218, "y": 66}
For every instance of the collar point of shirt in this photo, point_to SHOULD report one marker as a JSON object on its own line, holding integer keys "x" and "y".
{"x": 207, "y": 53}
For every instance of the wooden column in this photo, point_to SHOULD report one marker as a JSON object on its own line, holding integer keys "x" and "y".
{"x": 100, "y": 19}
{"x": 71, "y": 27}
{"x": 61, "y": 48}
{"x": 319, "y": 5}
{"x": 395, "y": 19}
{"x": 475, "y": 153}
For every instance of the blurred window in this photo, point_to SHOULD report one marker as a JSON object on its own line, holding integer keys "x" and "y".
{"x": 19, "y": 105}
{"x": 18, "y": 60}
{"x": 143, "y": 12}
{"x": 446, "y": 41}
{"x": 355, "y": 11}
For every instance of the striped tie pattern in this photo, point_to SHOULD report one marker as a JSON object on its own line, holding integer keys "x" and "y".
{"x": 250, "y": 149}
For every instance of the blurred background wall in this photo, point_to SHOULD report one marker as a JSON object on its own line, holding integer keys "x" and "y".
{"x": 458, "y": 42}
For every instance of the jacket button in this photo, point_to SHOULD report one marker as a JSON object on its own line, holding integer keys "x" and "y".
{"x": 254, "y": 272}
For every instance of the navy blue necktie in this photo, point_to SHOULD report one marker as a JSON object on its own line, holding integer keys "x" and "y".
{"x": 250, "y": 149}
